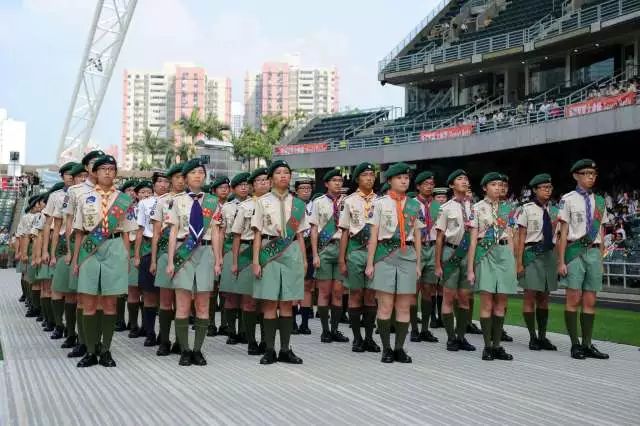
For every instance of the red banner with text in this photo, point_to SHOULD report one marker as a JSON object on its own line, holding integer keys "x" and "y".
{"x": 600, "y": 104}
{"x": 301, "y": 149}
{"x": 447, "y": 133}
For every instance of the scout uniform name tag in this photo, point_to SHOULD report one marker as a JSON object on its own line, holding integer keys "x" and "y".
{"x": 387, "y": 247}
{"x": 184, "y": 252}
{"x": 533, "y": 251}
{"x": 579, "y": 247}
{"x": 505, "y": 216}
{"x": 277, "y": 246}
{"x": 97, "y": 236}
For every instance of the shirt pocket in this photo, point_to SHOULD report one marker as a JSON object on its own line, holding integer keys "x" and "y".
{"x": 387, "y": 220}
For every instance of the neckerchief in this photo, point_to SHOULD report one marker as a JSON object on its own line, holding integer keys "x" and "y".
{"x": 399, "y": 198}
{"x": 587, "y": 201}
{"x": 368, "y": 202}
{"x": 282, "y": 198}
{"x": 426, "y": 203}
{"x": 195, "y": 217}
{"x": 104, "y": 196}
{"x": 547, "y": 227}
{"x": 465, "y": 216}
{"x": 336, "y": 206}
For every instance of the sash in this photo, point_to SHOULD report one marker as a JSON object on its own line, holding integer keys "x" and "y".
{"x": 274, "y": 248}
{"x": 533, "y": 251}
{"x": 245, "y": 257}
{"x": 62, "y": 247}
{"x": 454, "y": 261}
{"x": 163, "y": 241}
{"x": 227, "y": 244}
{"x": 506, "y": 215}
{"x": 326, "y": 233}
{"x": 387, "y": 247}
{"x": 94, "y": 239}
{"x": 145, "y": 247}
{"x": 360, "y": 240}
{"x": 579, "y": 247}
{"x": 186, "y": 249}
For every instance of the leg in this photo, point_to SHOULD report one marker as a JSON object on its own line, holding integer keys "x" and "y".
{"x": 413, "y": 316}
{"x": 337, "y": 291}
{"x": 133, "y": 307}
{"x": 165, "y": 316}
{"x": 573, "y": 299}
{"x": 426, "y": 308}
{"x": 306, "y": 311}
{"x": 90, "y": 320}
{"x": 449, "y": 297}
{"x": 542, "y": 317}
{"x": 149, "y": 312}
{"x": 369, "y": 320}
{"x": 250, "y": 322}
{"x": 486, "y": 323}
{"x": 183, "y": 310}
{"x": 57, "y": 308}
{"x": 231, "y": 305}
{"x": 201, "y": 302}
{"x": 528, "y": 313}
{"x": 586, "y": 319}
{"x": 270, "y": 321}
{"x": 285, "y": 325}
{"x": 355, "y": 313}
{"x": 402, "y": 304}
{"x": 324, "y": 294}
{"x": 463, "y": 319}
{"x": 385, "y": 308}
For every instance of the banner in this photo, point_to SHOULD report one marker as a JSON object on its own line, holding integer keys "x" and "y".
{"x": 301, "y": 149}
{"x": 600, "y": 104}
{"x": 447, "y": 133}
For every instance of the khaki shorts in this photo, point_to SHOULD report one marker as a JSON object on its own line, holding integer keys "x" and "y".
{"x": 61, "y": 277}
{"x": 282, "y": 278}
{"x": 196, "y": 274}
{"x": 356, "y": 264}
{"x": 328, "y": 269}
{"x": 584, "y": 272}
{"x": 428, "y": 261}
{"x": 541, "y": 274}
{"x": 396, "y": 273}
{"x": 458, "y": 278}
{"x": 496, "y": 272}
{"x": 104, "y": 273}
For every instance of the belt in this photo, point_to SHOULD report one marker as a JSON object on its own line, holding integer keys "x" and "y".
{"x": 110, "y": 236}
{"x": 269, "y": 237}
{"x": 246, "y": 241}
{"x": 202, "y": 242}
{"x": 453, "y": 246}
{"x": 593, "y": 245}
{"x": 147, "y": 238}
{"x": 409, "y": 243}
{"x": 428, "y": 243}
{"x": 500, "y": 242}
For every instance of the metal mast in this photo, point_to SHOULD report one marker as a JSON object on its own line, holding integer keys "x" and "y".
{"x": 108, "y": 30}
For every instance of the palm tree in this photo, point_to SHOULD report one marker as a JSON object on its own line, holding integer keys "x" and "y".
{"x": 191, "y": 126}
{"x": 151, "y": 148}
{"x": 212, "y": 128}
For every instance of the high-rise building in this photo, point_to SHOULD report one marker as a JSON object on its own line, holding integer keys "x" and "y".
{"x": 285, "y": 88}
{"x": 237, "y": 118}
{"x": 13, "y": 134}
{"x": 218, "y": 99}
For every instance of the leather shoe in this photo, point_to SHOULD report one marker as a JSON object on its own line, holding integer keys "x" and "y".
{"x": 303, "y": 329}
{"x": 164, "y": 349}
{"x": 414, "y": 336}
{"x": 487, "y": 354}
{"x": 505, "y": 337}
{"x": 534, "y": 345}
{"x": 387, "y": 356}
{"x": 77, "y": 351}
{"x": 262, "y": 347}
{"x": 593, "y": 352}
{"x": 325, "y": 337}
{"x": 176, "y": 349}
{"x": 58, "y": 333}
{"x": 289, "y": 357}
{"x": 242, "y": 338}
{"x": 197, "y": 358}
{"x": 185, "y": 358}
{"x": 357, "y": 346}
{"x": 150, "y": 340}
{"x": 48, "y": 327}
{"x": 295, "y": 330}
{"x": 223, "y": 330}
{"x": 464, "y": 345}
{"x": 370, "y": 345}
{"x": 453, "y": 345}
{"x": 232, "y": 340}
{"x": 136, "y": 332}
{"x": 69, "y": 342}
{"x": 31, "y": 313}
{"x": 473, "y": 329}
{"x": 89, "y": 360}
{"x": 546, "y": 345}
{"x": 120, "y": 326}
{"x": 39, "y": 317}
{"x": 577, "y": 353}
{"x": 212, "y": 330}
{"x": 337, "y": 336}
{"x": 427, "y": 336}
{"x": 269, "y": 357}
{"x": 501, "y": 354}
{"x": 106, "y": 360}
{"x": 253, "y": 349}
{"x": 399, "y": 355}
{"x": 22, "y": 298}
{"x": 344, "y": 319}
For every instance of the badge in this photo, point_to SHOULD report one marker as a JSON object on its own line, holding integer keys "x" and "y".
{"x": 561, "y": 204}
{"x": 170, "y": 205}
{"x": 579, "y": 218}
{"x": 90, "y": 199}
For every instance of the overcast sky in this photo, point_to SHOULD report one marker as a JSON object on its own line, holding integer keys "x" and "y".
{"x": 41, "y": 43}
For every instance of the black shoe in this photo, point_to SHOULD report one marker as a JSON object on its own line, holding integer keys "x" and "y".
{"x": 31, "y": 313}
{"x": 534, "y": 345}
{"x": 453, "y": 345}
{"x": 546, "y": 345}
{"x": 399, "y": 355}
{"x": 577, "y": 353}
{"x": 58, "y": 333}
{"x": 325, "y": 337}
{"x": 78, "y": 351}
{"x": 185, "y": 358}
{"x": 136, "y": 332}
{"x": 344, "y": 319}
{"x": 295, "y": 330}
{"x": 473, "y": 329}
{"x": 392, "y": 329}
{"x": 317, "y": 315}
{"x": 164, "y": 349}
{"x": 487, "y": 354}
{"x": 39, "y": 317}
{"x": 269, "y": 357}
{"x": 69, "y": 342}
{"x": 22, "y": 298}
{"x": 437, "y": 323}
{"x": 242, "y": 339}
{"x": 120, "y": 326}
{"x": 106, "y": 360}
{"x": 427, "y": 336}
{"x": 48, "y": 327}
{"x": 371, "y": 346}
{"x": 337, "y": 336}
{"x": 232, "y": 340}
{"x": 253, "y": 349}
{"x": 501, "y": 354}
{"x": 414, "y": 336}
{"x": 357, "y": 345}
{"x": 505, "y": 337}
{"x": 223, "y": 330}
{"x": 388, "y": 356}
{"x": 303, "y": 329}
{"x": 464, "y": 345}
{"x": 150, "y": 340}
{"x": 289, "y": 357}
{"x": 89, "y": 360}
{"x": 212, "y": 330}
{"x": 176, "y": 349}
{"x": 262, "y": 347}
{"x": 593, "y": 352}
{"x": 198, "y": 359}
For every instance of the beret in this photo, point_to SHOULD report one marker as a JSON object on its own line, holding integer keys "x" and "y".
{"x": 385, "y": 187}
{"x": 56, "y": 187}
{"x": 276, "y": 164}
{"x": 91, "y": 155}
{"x": 66, "y": 168}
{"x": 303, "y": 181}
{"x": 440, "y": 191}
{"x": 362, "y": 167}
{"x": 131, "y": 183}
{"x": 490, "y": 177}
{"x": 219, "y": 181}
{"x": 192, "y": 164}
{"x": 454, "y": 174}
{"x": 317, "y": 195}
{"x": 176, "y": 168}
{"x": 143, "y": 184}
{"x": 422, "y": 176}
{"x": 158, "y": 175}
{"x": 105, "y": 159}
{"x": 257, "y": 172}
{"x": 540, "y": 179}
{"x": 397, "y": 169}
{"x": 585, "y": 163}
{"x": 331, "y": 174}
{"x": 206, "y": 188}
{"x": 240, "y": 178}
{"x": 77, "y": 169}
{"x": 412, "y": 194}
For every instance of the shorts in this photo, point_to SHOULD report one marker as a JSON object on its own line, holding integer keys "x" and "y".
{"x": 61, "y": 277}
{"x": 133, "y": 274}
{"x": 428, "y": 262}
{"x": 584, "y": 272}
{"x": 283, "y": 277}
{"x": 104, "y": 273}
{"x": 457, "y": 280}
{"x": 196, "y": 274}
{"x": 356, "y": 264}
{"x": 162, "y": 279}
{"x": 328, "y": 269}
{"x": 146, "y": 280}
{"x": 496, "y": 272}
{"x": 541, "y": 274}
{"x": 243, "y": 283}
{"x": 396, "y": 273}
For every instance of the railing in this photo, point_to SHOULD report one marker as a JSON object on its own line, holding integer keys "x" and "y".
{"x": 474, "y": 109}
{"x": 369, "y": 120}
{"x": 621, "y": 274}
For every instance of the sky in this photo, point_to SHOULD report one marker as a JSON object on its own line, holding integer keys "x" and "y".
{"x": 41, "y": 44}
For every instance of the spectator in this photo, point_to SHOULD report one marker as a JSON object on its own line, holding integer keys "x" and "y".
{"x": 4, "y": 236}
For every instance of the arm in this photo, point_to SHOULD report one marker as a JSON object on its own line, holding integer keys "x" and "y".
{"x": 471, "y": 255}
{"x": 24, "y": 248}
{"x": 76, "y": 251}
{"x": 438, "y": 254}
{"x": 55, "y": 238}
{"x": 314, "y": 246}
{"x": 36, "y": 259}
{"x": 46, "y": 239}
{"x": 235, "y": 250}
{"x": 257, "y": 245}
{"x": 157, "y": 230}
{"x": 171, "y": 250}
{"x": 417, "y": 243}
{"x": 371, "y": 250}
{"x": 300, "y": 238}
{"x": 68, "y": 232}
{"x": 216, "y": 243}
{"x": 342, "y": 254}
{"x": 522, "y": 235}
{"x": 562, "y": 246}
{"x": 137, "y": 244}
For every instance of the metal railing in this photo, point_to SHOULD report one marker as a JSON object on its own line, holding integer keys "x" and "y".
{"x": 622, "y": 274}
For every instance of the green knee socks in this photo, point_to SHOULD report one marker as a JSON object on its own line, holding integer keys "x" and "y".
{"x": 107, "y": 329}
{"x": 133, "y": 309}
{"x": 462, "y": 320}
{"x": 530, "y": 321}
{"x": 336, "y": 313}
{"x": 487, "y": 325}
{"x": 91, "y": 332}
{"x": 323, "y": 311}
{"x": 70, "y": 318}
{"x": 57, "y": 307}
{"x": 496, "y": 329}
{"x": 571, "y": 321}
{"x": 250, "y": 321}
{"x": 426, "y": 308}
{"x": 286, "y": 326}
{"x": 402, "y": 328}
{"x": 542, "y": 315}
{"x": 354, "y": 318}
{"x": 80, "y": 320}
{"x": 369, "y": 320}
{"x": 447, "y": 320}
{"x": 384, "y": 327}
{"x": 201, "y": 325}
{"x": 586, "y": 321}
{"x": 413, "y": 317}
{"x": 164, "y": 319}
{"x": 270, "y": 327}
{"x": 182, "y": 332}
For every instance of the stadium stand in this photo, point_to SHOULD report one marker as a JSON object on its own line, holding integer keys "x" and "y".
{"x": 7, "y": 206}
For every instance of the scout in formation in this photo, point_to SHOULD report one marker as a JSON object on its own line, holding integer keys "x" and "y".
{"x": 165, "y": 244}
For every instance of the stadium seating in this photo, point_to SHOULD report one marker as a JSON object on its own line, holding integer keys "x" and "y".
{"x": 337, "y": 127}
{"x": 7, "y": 205}
{"x": 417, "y": 121}
{"x": 433, "y": 42}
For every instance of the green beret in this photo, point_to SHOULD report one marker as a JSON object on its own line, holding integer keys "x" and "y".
{"x": 303, "y": 181}
{"x": 317, "y": 195}
{"x": 239, "y": 178}
{"x": 422, "y": 176}
{"x": 454, "y": 174}
{"x": 505, "y": 178}
{"x": 412, "y": 194}
{"x": 101, "y": 161}
{"x": 176, "y": 168}
{"x": 362, "y": 167}
{"x": 585, "y": 163}
{"x": 490, "y": 177}
{"x": 540, "y": 179}
{"x": 219, "y": 181}
{"x": 206, "y": 188}
{"x": 440, "y": 191}
{"x": 275, "y": 165}
{"x": 91, "y": 155}
{"x": 77, "y": 169}
{"x": 44, "y": 197}
{"x": 385, "y": 187}
{"x": 143, "y": 184}
{"x": 397, "y": 169}
{"x": 33, "y": 199}
{"x": 231, "y": 197}
{"x": 57, "y": 187}
{"x": 192, "y": 164}
{"x": 131, "y": 183}
{"x": 158, "y": 175}
{"x": 65, "y": 168}
{"x": 258, "y": 172}
{"x": 331, "y": 174}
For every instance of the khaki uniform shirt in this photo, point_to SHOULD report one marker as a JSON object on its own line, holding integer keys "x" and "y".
{"x": 89, "y": 213}
{"x": 272, "y": 214}
{"x": 242, "y": 221}
{"x": 56, "y": 201}
{"x": 161, "y": 212}
{"x": 386, "y": 219}
{"x": 21, "y": 224}
{"x": 353, "y": 216}
{"x": 573, "y": 210}
{"x": 322, "y": 213}
{"x": 483, "y": 213}
{"x": 180, "y": 211}
{"x": 73, "y": 193}
{"x": 145, "y": 208}
{"x": 229, "y": 210}
{"x": 531, "y": 217}
{"x": 451, "y": 220}
{"x": 38, "y": 223}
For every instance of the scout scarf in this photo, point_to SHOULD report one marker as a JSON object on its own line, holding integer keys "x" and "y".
{"x": 110, "y": 221}
{"x": 503, "y": 216}
{"x": 275, "y": 247}
{"x": 331, "y": 227}
{"x": 431, "y": 209}
{"x": 398, "y": 198}
{"x": 579, "y": 247}
{"x": 460, "y": 252}
{"x": 196, "y": 227}
{"x": 360, "y": 240}
{"x": 549, "y": 220}
{"x": 406, "y": 219}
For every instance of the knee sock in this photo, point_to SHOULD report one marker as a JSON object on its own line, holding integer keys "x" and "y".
{"x": 294, "y": 311}
{"x": 369, "y": 321}
{"x": 212, "y": 311}
{"x": 224, "y": 321}
{"x": 230, "y": 316}
{"x": 286, "y": 326}
{"x": 434, "y": 306}
{"x": 270, "y": 326}
{"x": 439, "y": 306}
{"x": 108, "y": 328}
{"x": 462, "y": 320}
{"x": 542, "y": 316}
{"x": 262, "y": 333}
{"x": 164, "y": 318}
{"x": 571, "y": 321}
{"x": 35, "y": 299}
{"x": 91, "y": 332}
{"x": 413, "y": 317}
{"x": 586, "y": 321}
{"x": 182, "y": 332}
{"x": 80, "y": 320}
{"x": 240, "y": 321}
{"x": 384, "y": 327}
{"x": 45, "y": 303}
{"x": 133, "y": 314}
{"x": 70, "y": 318}
{"x": 426, "y": 309}
{"x": 323, "y": 311}
{"x": 336, "y": 313}
{"x": 498, "y": 322}
{"x": 487, "y": 330}
{"x": 201, "y": 325}
{"x": 530, "y": 321}
{"x": 149, "y": 319}
{"x": 305, "y": 314}
{"x": 345, "y": 303}
{"x": 120, "y": 306}
{"x": 250, "y": 320}
{"x": 402, "y": 328}
{"x": 354, "y": 318}
{"x": 447, "y": 320}
{"x": 100, "y": 317}
{"x": 57, "y": 307}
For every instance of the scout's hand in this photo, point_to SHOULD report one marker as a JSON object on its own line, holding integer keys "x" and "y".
{"x": 136, "y": 261}
{"x": 342, "y": 265}
{"x": 76, "y": 269}
{"x": 217, "y": 269}
{"x": 53, "y": 261}
{"x": 152, "y": 268}
{"x": 45, "y": 259}
{"x": 562, "y": 270}
{"x": 170, "y": 269}
{"x": 316, "y": 261}
{"x": 67, "y": 258}
{"x": 471, "y": 277}
{"x": 369, "y": 271}
{"x": 257, "y": 270}
{"x": 520, "y": 270}
{"x": 24, "y": 259}
{"x": 35, "y": 261}
{"x": 438, "y": 270}
{"x": 234, "y": 269}
{"x": 418, "y": 271}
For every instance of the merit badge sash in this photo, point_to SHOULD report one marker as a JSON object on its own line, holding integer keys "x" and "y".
{"x": 360, "y": 240}
{"x": 505, "y": 218}
{"x": 277, "y": 246}
{"x": 454, "y": 261}
{"x": 227, "y": 244}
{"x": 326, "y": 233}
{"x": 186, "y": 249}
{"x": 579, "y": 247}
{"x": 163, "y": 241}
{"x": 387, "y": 247}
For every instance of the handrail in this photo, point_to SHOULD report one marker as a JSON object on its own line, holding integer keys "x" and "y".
{"x": 473, "y": 108}
{"x": 374, "y": 117}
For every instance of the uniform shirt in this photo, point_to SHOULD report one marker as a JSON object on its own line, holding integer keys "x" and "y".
{"x": 353, "y": 215}
{"x": 179, "y": 212}
{"x": 242, "y": 221}
{"x": 573, "y": 210}
{"x": 38, "y": 223}
{"x": 143, "y": 218}
{"x": 308, "y": 210}
{"x": 73, "y": 193}
{"x": 54, "y": 208}
{"x": 483, "y": 219}
{"x": 451, "y": 220}
{"x": 229, "y": 210}
{"x": 272, "y": 214}
{"x": 161, "y": 212}
{"x": 24, "y": 222}
{"x": 322, "y": 212}
{"x": 88, "y": 213}
{"x": 531, "y": 217}
{"x": 425, "y": 210}
{"x": 385, "y": 218}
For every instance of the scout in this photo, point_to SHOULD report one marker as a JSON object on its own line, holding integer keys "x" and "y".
{"x": 491, "y": 265}
{"x": 452, "y": 244}
{"x": 536, "y": 260}
{"x": 393, "y": 259}
{"x": 100, "y": 257}
{"x": 20, "y": 267}
{"x": 42, "y": 276}
{"x": 580, "y": 252}
{"x": 192, "y": 258}
{"x": 221, "y": 189}
{"x": 325, "y": 242}
{"x": 26, "y": 252}
{"x": 357, "y": 211}
{"x": 278, "y": 260}
{"x": 440, "y": 196}
{"x": 504, "y": 196}
{"x": 158, "y": 262}
{"x": 426, "y": 285}
{"x": 304, "y": 188}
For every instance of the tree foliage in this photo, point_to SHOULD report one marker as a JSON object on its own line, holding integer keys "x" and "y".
{"x": 260, "y": 143}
